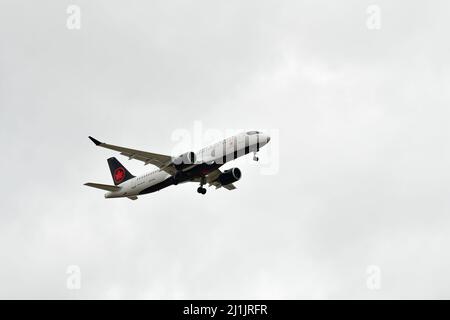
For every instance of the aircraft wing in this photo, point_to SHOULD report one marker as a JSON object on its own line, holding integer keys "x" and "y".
{"x": 162, "y": 161}
{"x": 211, "y": 178}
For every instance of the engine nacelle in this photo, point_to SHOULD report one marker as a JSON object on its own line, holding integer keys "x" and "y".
{"x": 185, "y": 160}
{"x": 230, "y": 176}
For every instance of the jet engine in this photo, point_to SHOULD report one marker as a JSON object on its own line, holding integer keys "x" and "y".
{"x": 185, "y": 160}
{"x": 230, "y": 176}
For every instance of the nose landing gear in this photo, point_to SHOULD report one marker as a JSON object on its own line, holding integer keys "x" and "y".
{"x": 255, "y": 157}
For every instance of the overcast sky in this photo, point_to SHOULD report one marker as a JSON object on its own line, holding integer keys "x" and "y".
{"x": 361, "y": 153}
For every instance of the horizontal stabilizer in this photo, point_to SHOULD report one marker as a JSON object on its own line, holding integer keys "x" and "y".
{"x": 106, "y": 187}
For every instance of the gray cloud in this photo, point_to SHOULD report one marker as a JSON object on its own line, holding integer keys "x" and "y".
{"x": 364, "y": 152}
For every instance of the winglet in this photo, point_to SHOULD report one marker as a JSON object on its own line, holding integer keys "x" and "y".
{"x": 95, "y": 141}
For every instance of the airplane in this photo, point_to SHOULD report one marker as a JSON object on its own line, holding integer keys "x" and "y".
{"x": 201, "y": 166}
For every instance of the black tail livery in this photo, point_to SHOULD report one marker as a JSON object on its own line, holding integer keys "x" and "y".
{"x": 118, "y": 172}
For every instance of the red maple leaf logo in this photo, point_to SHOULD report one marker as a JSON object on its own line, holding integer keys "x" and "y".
{"x": 119, "y": 174}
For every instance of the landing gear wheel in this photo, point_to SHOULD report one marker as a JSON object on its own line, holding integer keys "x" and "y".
{"x": 255, "y": 157}
{"x": 201, "y": 190}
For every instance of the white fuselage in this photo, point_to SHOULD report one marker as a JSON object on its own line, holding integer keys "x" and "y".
{"x": 216, "y": 155}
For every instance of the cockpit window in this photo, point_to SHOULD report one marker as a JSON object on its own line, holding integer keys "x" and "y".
{"x": 252, "y": 132}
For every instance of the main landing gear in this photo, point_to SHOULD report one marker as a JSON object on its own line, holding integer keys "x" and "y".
{"x": 255, "y": 157}
{"x": 201, "y": 189}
